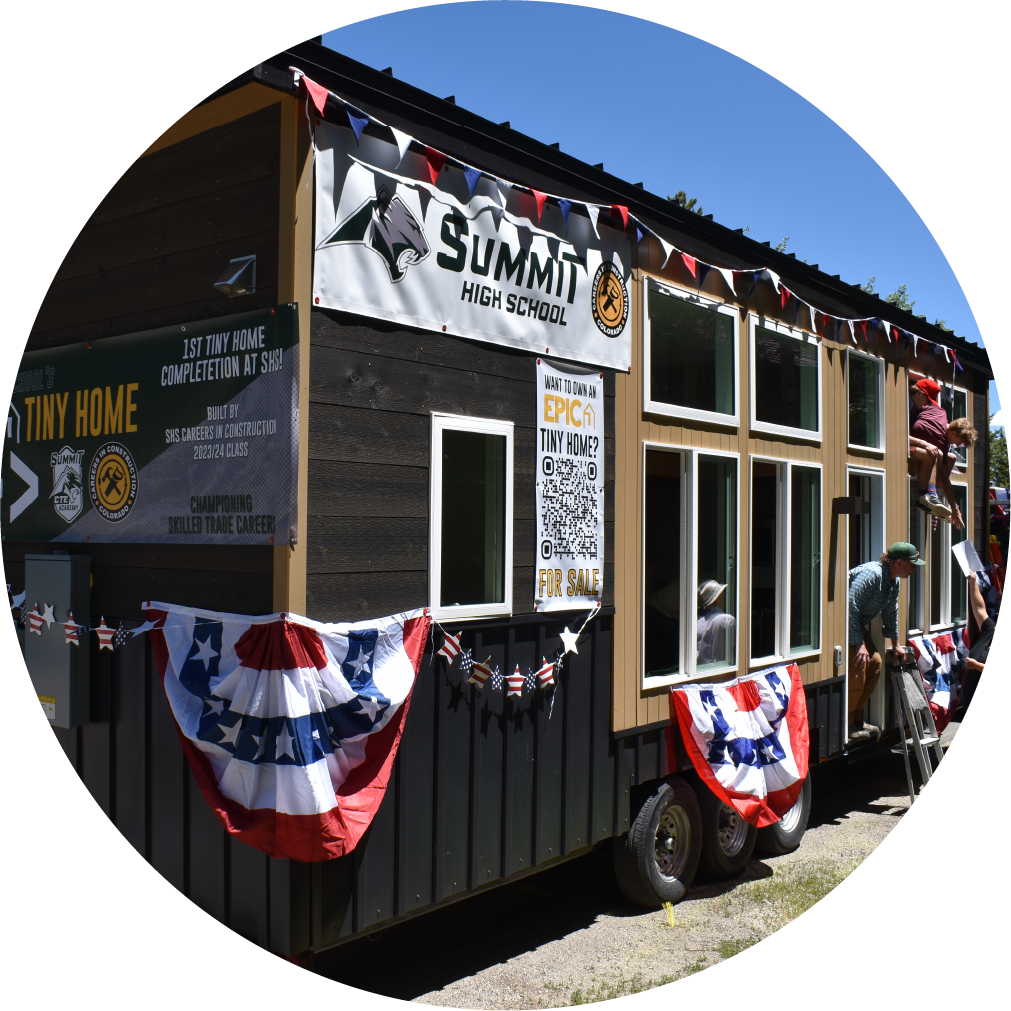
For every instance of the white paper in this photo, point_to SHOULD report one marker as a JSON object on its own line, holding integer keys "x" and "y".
{"x": 965, "y": 555}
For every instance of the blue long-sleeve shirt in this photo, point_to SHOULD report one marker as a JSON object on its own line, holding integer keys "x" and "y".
{"x": 873, "y": 593}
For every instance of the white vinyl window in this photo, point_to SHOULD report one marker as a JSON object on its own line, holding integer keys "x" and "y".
{"x": 916, "y": 582}
{"x": 946, "y": 592}
{"x": 954, "y": 400}
{"x": 865, "y": 390}
{"x": 786, "y": 547}
{"x": 689, "y": 356}
{"x": 690, "y": 547}
{"x": 785, "y": 380}
{"x": 470, "y": 565}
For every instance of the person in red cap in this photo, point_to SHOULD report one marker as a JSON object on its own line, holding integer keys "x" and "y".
{"x": 931, "y": 436}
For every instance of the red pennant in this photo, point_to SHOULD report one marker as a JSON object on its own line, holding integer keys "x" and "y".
{"x": 620, "y": 211}
{"x": 690, "y": 264}
{"x": 863, "y": 328}
{"x": 540, "y": 198}
{"x": 818, "y": 328}
{"x": 436, "y": 159}
{"x": 317, "y": 93}
{"x": 784, "y": 295}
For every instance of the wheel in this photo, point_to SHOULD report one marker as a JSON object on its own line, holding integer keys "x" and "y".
{"x": 785, "y": 835}
{"x": 727, "y": 839}
{"x": 655, "y": 862}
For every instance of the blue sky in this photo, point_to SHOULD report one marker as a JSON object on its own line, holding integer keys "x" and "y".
{"x": 657, "y": 106}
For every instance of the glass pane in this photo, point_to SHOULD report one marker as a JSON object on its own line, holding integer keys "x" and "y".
{"x": 914, "y": 617}
{"x": 691, "y": 355}
{"x": 959, "y": 589}
{"x": 863, "y": 396}
{"x": 786, "y": 380}
{"x": 662, "y": 589}
{"x": 954, "y": 403}
{"x": 805, "y": 558}
{"x": 764, "y": 558}
{"x": 473, "y": 518}
{"x": 936, "y": 566}
{"x": 860, "y": 523}
{"x": 717, "y": 539}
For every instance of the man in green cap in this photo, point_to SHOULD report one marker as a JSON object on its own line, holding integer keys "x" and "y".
{"x": 874, "y": 590}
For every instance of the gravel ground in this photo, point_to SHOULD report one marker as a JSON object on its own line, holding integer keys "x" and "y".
{"x": 567, "y": 936}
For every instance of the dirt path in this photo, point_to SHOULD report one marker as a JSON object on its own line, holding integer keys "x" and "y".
{"x": 567, "y": 936}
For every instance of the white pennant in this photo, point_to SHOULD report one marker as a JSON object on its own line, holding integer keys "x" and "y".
{"x": 853, "y": 336}
{"x": 916, "y": 341}
{"x": 503, "y": 189}
{"x": 728, "y": 276}
{"x": 594, "y": 211}
{"x": 668, "y": 248}
{"x": 888, "y": 329}
{"x": 774, "y": 277}
{"x": 403, "y": 141}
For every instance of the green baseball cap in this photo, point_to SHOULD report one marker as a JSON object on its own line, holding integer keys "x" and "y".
{"x": 903, "y": 551}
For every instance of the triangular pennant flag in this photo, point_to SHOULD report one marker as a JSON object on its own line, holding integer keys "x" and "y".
{"x": 888, "y": 330}
{"x": 640, "y": 232}
{"x": 539, "y": 198}
{"x": 689, "y": 262}
{"x": 941, "y": 346}
{"x": 728, "y": 276}
{"x": 755, "y": 276}
{"x": 668, "y": 248}
{"x": 796, "y": 309}
{"x": 958, "y": 364}
{"x": 916, "y": 341}
{"x": 863, "y": 328}
{"x": 784, "y": 296}
{"x": 317, "y": 93}
{"x": 503, "y": 189}
{"x": 403, "y": 142}
{"x": 472, "y": 175}
{"x": 436, "y": 159}
{"x": 620, "y": 211}
{"x": 358, "y": 119}
{"x": 773, "y": 277}
{"x": 565, "y": 206}
{"x": 703, "y": 270}
{"x": 594, "y": 211}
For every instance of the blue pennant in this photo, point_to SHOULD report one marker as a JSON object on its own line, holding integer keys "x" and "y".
{"x": 472, "y": 175}
{"x": 358, "y": 121}
{"x": 565, "y": 206}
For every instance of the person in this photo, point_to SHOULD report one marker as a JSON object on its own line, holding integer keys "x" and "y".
{"x": 874, "y": 590}
{"x": 714, "y": 624}
{"x": 931, "y": 437}
{"x": 976, "y": 660}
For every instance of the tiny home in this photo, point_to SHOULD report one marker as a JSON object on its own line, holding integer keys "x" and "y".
{"x": 749, "y": 418}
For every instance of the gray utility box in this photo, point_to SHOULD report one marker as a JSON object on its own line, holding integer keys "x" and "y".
{"x": 60, "y": 671}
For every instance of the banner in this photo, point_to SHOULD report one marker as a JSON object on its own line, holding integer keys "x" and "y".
{"x": 409, "y": 240}
{"x": 569, "y": 568}
{"x": 185, "y": 435}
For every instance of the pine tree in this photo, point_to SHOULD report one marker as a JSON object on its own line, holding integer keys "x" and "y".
{"x": 998, "y": 458}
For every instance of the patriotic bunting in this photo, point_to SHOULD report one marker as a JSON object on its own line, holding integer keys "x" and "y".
{"x": 480, "y": 673}
{"x": 72, "y": 630}
{"x": 105, "y": 635}
{"x": 546, "y": 673}
{"x": 689, "y": 262}
{"x": 450, "y": 646}
{"x": 35, "y": 621}
{"x": 539, "y": 198}
{"x": 515, "y": 682}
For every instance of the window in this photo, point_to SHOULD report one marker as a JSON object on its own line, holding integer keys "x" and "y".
{"x": 947, "y": 590}
{"x": 866, "y": 527}
{"x": 689, "y": 356}
{"x": 690, "y": 536}
{"x": 865, "y": 389}
{"x": 785, "y": 381}
{"x": 915, "y": 582}
{"x": 954, "y": 402}
{"x": 785, "y": 560}
{"x": 471, "y": 517}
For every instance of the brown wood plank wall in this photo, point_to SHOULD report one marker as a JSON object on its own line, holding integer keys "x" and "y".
{"x": 634, "y": 706}
{"x": 373, "y": 387}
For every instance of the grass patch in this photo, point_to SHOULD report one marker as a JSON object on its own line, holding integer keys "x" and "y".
{"x": 736, "y": 945}
{"x": 697, "y": 966}
{"x": 620, "y": 987}
{"x": 797, "y": 887}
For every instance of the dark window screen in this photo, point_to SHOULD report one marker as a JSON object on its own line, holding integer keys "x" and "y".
{"x": 764, "y": 558}
{"x": 786, "y": 380}
{"x": 863, "y": 397}
{"x": 663, "y": 535}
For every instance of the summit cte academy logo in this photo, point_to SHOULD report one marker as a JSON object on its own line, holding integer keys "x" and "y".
{"x": 386, "y": 225}
{"x": 68, "y": 484}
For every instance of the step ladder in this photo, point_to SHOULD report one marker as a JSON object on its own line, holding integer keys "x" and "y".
{"x": 916, "y": 724}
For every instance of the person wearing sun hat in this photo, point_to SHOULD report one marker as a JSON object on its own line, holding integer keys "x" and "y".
{"x": 931, "y": 436}
{"x": 874, "y": 590}
{"x": 714, "y": 624}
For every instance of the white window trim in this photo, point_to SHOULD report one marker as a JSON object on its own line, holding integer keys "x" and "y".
{"x": 651, "y": 406}
{"x": 458, "y": 422}
{"x": 871, "y": 472}
{"x": 960, "y": 467}
{"x": 880, "y": 371}
{"x": 783, "y": 507}
{"x": 689, "y": 601}
{"x": 946, "y": 562}
{"x": 756, "y": 320}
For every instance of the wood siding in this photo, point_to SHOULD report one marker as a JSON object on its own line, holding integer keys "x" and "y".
{"x": 636, "y": 706}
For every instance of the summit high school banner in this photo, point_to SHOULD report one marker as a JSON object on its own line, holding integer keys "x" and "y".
{"x": 186, "y": 435}
{"x": 400, "y": 239}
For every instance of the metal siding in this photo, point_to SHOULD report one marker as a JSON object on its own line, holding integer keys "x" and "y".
{"x": 574, "y": 707}
{"x": 129, "y": 715}
{"x": 375, "y": 901}
{"x": 602, "y": 748}
{"x": 332, "y": 900}
{"x": 167, "y": 771}
{"x": 207, "y": 842}
{"x": 248, "y": 892}
{"x": 489, "y": 731}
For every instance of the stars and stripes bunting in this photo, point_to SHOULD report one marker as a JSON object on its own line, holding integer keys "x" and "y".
{"x": 34, "y": 621}
{"x": 515, "y": 683}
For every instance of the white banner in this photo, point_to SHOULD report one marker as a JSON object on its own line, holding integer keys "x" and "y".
{"x": 393, "y": 244}
{"x": 569, "y": 568}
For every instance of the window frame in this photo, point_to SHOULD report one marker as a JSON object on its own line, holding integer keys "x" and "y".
{"x": 651, "y": 406}
{"x": 784, "y": 484}
{"x": 880, "y": 370}
{"x": 689, "y": 565}
{"x": 756, "y": 320}
{"x": 442, "y": 422}
{"x": 945, "y": 562}
{"x": 918, "y": 573}
{"x": 961, "y": 466}
{"x": 859, "y": 470}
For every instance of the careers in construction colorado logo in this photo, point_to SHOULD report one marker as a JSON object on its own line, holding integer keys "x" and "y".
{"x": 113, "y": 481}
{"x": 609, "y": 300}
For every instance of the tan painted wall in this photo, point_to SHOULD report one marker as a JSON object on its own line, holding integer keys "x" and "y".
{"x": 634, "y": 706}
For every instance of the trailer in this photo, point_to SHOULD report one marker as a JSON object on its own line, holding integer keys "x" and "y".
{"x": 771, "y": 467}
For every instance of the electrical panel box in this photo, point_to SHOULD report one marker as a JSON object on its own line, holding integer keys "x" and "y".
{"x": 60, "y": 671}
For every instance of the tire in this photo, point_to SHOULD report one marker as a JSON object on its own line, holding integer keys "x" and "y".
{"x": 656, "y": 861}
{"x": 785, "y": 835}
{"x": 727, "y": 839}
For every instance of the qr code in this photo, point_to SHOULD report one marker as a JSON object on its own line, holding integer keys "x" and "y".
{"x": 570, "y": 503}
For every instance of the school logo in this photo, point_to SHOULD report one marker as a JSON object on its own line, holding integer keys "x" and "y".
{"x": 609, "y": 300}
{"x": 68, "y": 483}
{"x": 386, "y": 225}
{"x": 113, "y": 481}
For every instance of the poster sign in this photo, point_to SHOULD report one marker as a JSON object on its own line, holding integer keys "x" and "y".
{"x": 184, "y": 435}
{"x": 569, "y": 568}
{"x": 400, "y": 240}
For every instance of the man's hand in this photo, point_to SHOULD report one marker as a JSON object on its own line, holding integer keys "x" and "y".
{"x": 956, "y": 518}
{"x": 933, "y": 451}
{"x": 973, "y": 664}
{"x": 898, "y": 652}
{"x": 860, "y": 660}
